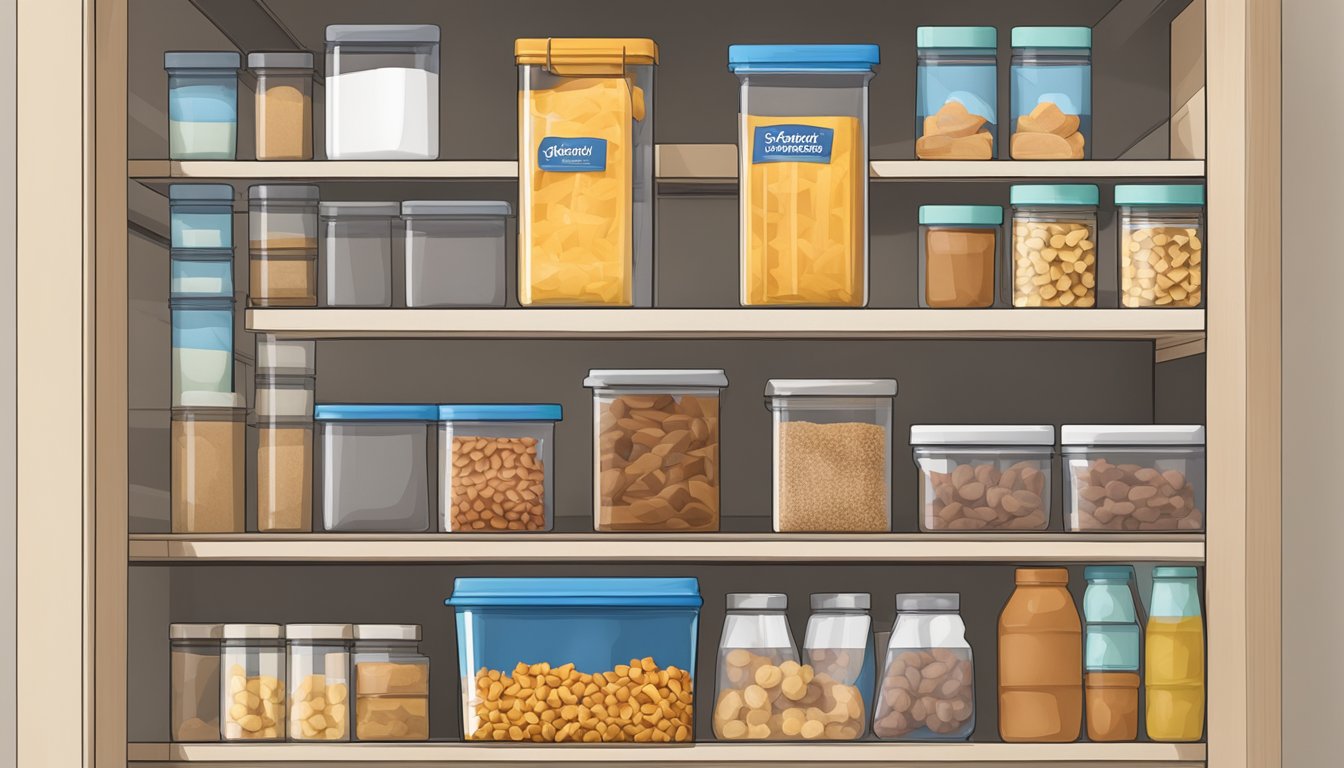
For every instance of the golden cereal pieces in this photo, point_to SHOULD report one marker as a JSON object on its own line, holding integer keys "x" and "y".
{"x": 954, "y": 133}
{"x": 978, "y": 496}
{"x": 392, "y": 718}
{"x": 1131, "y": 497}
{"x": 1054, "y": 264}
{"x": 759, "y": 699}
{"x": 497, "y": 484}
{"x": 254, "y": 706}
{"x": 391, "y": 678}
{"x": 832, "y": 477}
{"x": 638, "y": 702}
{"x": 1161, "y": 267}
{"x": 319, "y": 709}
{"x": 1047, "y": 133}
{"x": 933, "y": 689}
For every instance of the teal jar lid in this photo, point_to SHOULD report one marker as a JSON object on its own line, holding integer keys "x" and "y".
{"x": 1175, "y": 572}
{"x": 983, "y": 215}
{"x": 956, "y": 37}
{"x": 1108, "y": 572}
{"x": 1052, "y": 37}
{"x": 1159, "y": 194}
{"x": 1054, "y": 194}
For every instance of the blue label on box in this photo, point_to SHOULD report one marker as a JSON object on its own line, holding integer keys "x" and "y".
{"x": 792, "y": 144}
{"x": 572, "y": 155}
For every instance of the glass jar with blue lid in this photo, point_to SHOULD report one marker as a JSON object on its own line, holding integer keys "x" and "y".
{"x": 375, "y": 466}
{"x": 958, "y": 249}
{"x": 1053, "y": 251}
{"x": 1052, "y": 93}
{"x": 202, "y": 104}
{"x": 1161, "y": 244}
{"x": 956, "y": 101}
{"x": 200, "y": 216}
{"x": 496, "y": 467}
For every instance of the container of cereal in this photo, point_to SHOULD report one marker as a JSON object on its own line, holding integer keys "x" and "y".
{"x": 391, "y": 683}
{"x": 656, "y": 449}
{"x": 202, "y": 104}
{"x": 356, "y": 253}
{"x": 927, "y": 689}
{"x": 382, "y": 92}
{"x": 496, "y": 467}
{"x": 455, "y": 252}
{"x": 209, "y": 437}
{"x": 284, "y": 104}
{"x": 832, "y": 454}
{"x": 803, "y": 165}
{"x": 519, "y": 637}
{"x": 319, "y": 681}
{"x": 284, "y": 406}
{"x": 282, "y": 244}
{"x": 1133, "y": 477}
{"x": 375, "y": 466}
{"x": 201, "y": 216}
{"x": 1052, "y": 93}
{"x": 1161, "y": 244}
{"x": 956, "y": 101}
{"x": 987, "y": 477}
{"x": 194, "y": 680}
{"x": 585, "y": 177}
{"x": 838, "y": 645}
{"x": 958, "y": 254}
{"x": 1054, "y": 246}
{"x": 252, "y": 682}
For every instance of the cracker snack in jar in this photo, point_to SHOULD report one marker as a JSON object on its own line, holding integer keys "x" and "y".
{"x": 803, "y": 169}
{"x": 1161, "y": 244}
{"x": 1053, "y": 251}
{"x": 1052, "y": 93}
{"x": 585, "y": 176}
{"x": 956, "y": 102}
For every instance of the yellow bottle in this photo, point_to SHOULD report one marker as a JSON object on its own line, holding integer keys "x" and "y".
{"x": 1174, "y": 657}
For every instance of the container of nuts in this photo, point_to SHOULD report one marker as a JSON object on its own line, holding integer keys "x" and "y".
{"x": 1126, "y": 478}
{"x": 927, "y": 688}
{"x": 656, "y": 449}
{"x": 1053, "y": 253}
{"x": 495, "y": 467}
{"x": 1161, "y": 245}
{"x": 988, "y": 477}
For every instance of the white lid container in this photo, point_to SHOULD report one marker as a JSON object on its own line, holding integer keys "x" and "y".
{"x": 403, "y": 632}
{"x": 982, "y": 434}
{"x": 655, "y": 377}
{"x": 1131, "y": 434}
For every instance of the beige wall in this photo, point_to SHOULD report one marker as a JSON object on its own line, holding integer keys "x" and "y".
{"x": 8, "y": 521}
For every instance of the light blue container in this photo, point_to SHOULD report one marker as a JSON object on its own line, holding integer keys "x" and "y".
{"x": 202, "y": 346}
{"x": 956, "y": 64}
{"x": 201, "y": 215}
{"x": 1112, "y": 634}
{"x": 1053, "y": 65}
{"x": 200, "y": 273}
{"x": 202, "y": 104}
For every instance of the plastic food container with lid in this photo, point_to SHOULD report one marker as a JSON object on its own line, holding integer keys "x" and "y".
{"x": 1052, "y": 93}
{"x": 200, "y": 273}
{"x": 497, "y": 467}
{"x": 356, "y": 253}
{"x": 285, "y": 356}
{"x": 455, "y": 252}
{"x": 252, "y": 682}
{"x": 756, "y": 641}
{"x": 1133, "y": 477}
{"x": 585, "y": 176}
{"x": 194, "y": 682}
{"x": 382, "y": 92}
{"x": 284, "y": 405}
{"x": 202, "y": 104}
{"x": 391, "y": 683}
{"x": 832, "y": 454}
{"x": 656, "y": 449}
{"x": 284, "y": 104}
{"x": 282, "y": 244}
{"x": 987, "y": 477}
{"x": 956, "y": 101}
{"x": 202, "y": 353}
{"x": 634, "y": 632}
{"x": 201, "y": 216}
{"x": 1111, "y": 654}
{"x": 1161, "y": 244}
{"x": 958, "y": 255}
{"x": 1054, "y": 246}
{"x": 803, "y": 165}
{"x": 319, "y": 681}
{"x": 1174, "y": 665}
{"x": 375, "y": 466}
{"x": 838, "y": 645}
{"x": 208, "y": 440}
{"x": 927, "y": 644}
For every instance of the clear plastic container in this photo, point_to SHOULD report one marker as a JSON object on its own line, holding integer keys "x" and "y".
{"x": 201, "y": 216}
{"x": 456, "y": 252}
{"x": 803, "y": 127}
{"x": 202, "y": 104}
{"x": 382, "y": 91}
{"x": 838, "y": 645}
{"x": 958, "y": 255}
{"x": 1053, "y": 257}
{"x": 391, "y": 683}
{"x": 200, "y": 273}
{"x": 1040, "y": 660}
{"x": 757, "y": 656}
{"x": 208, "y": 442}
{"x": 832, "y": 454}
{"x": 497, "y": 467}
{"x": 585, "y": 177}
{"x": 1133, "y": 477}
{"x": 202, "y": 355}
{"x": 1111, "y": 654}
{"x": 927, "y": 688}
{"x": 282, "y": 244}
{"x": 656, "y": 449}
{"x": 1174, "y": 657}
{"x": 252, "y": 682}
{"x": 983, "y": 477}
{"x": 957, "y": 93}
{"x": 375, "y": 467}
{"x": 1052, "y": 93}
{"x": 1161, "y": 244}
{"x": 520, "y": 636}
{"x": 356, "y": 253}
{"x": 284, "y": 104}
{"x": 284, "y": 406}
{"x": 319, "y": 681}
{"x": 194, "y": 680}
{"x": 285, "y": 356}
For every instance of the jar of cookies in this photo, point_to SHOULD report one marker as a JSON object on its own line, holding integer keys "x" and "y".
{"x": 1052, "y": 93}
{"x": 756, "y": 652}
{"x": 985, "y": 477}
{"x": 319, "y": 680}
{"x": 956, "y": 101}
{"x": 1161, "y": 244}
{"x": 1053, "y": 257}
{"x": 927, "y": 688}
{"x": 252, "y": 682}
{"x": 1133, "y": 477}
{"x": 838, "y": 644}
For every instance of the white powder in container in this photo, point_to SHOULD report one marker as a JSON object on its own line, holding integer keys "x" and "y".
{"x": 389, "y": 113}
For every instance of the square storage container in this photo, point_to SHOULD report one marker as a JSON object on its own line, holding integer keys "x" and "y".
{"x": 1052, "y": 93}
{"x": 202, "y": 104}
{"x": 282, "y": 244}
{"x": 194, "y": 682}
{"x": 1053, "y": 254}
{"x": 284, "y": 406}
{"x": 958, "y": 254}
{"x": 375, "y": 467}
{"x": 208, "y": 441}
{"x": 200, "y": 273}
{"x": 356, "y": 255}
{"x": 497, "y": 467}
{"x": 382, "y": 92}
{"x": 656, "y": 449}
{"x": 391, "y": 683}
{"x": 202, "y": 339}
{"x": 831, "y": 454}
{"x": 319, "y": 681}
{"x": 956, "y": 93}
{"x": 285, "y": 356}
{"x": 803, "y": 165}
{"x": 201, "y": 215}
{"x": 455, "y": 252}
{"x": 252, "y": 683}
{"x": 1134, "y": 477}
{"x": 635, "y": 633}
{"x": 284, "y": 104}
{"x": 987, "y": 477}
{"x": 1161, "y": 244}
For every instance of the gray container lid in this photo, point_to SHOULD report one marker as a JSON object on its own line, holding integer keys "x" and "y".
{"x": 656, "y": 377}
{"x": 382, "y": 33}
{"x": 283, "y": 192}
{"x": 195, "y": 631}
{"x": 319, "y": 631}
{"x": 387, "y": 632}
{"x": 456, "y": 208}
{"x": 280, "y": 60}
{"x": 982, "y": 434}
{"x": 253, "y": 632}
{"x": 201, "y": 60}
{"x": 757, "y": 601}
{"x": 841, "y": 601}
{"x": 358, "y": 209}
{"x": 830, "y": 388}
{"x": 182, "y": 192}
{"x": 1131, "y": 434}
{"x": 928, "y": 601}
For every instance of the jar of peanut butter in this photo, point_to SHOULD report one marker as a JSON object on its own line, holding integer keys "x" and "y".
{"x": 1040, "y": 660}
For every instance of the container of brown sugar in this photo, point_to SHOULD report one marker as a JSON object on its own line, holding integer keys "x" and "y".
{"x": 958, "y": 248}
{"x": 282, "y": 244}
{"x": 284, "y": 104}
{"x": 284, "y": 453}
{"x": 208, "y": 437}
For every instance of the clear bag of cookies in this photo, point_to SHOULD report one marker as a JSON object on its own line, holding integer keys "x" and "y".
{"x": 1134, "y": 478}
{"x": 983, "y": 477}
{"x": 927, "y": 688}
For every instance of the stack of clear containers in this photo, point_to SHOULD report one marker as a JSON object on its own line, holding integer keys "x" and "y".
{"x": 284, "y": 402}
{"x": 1111, "y": 654}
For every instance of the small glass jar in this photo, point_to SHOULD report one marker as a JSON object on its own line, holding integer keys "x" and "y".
{"x": 375, "y": 467}
{"x": 252, "y": 682}
{"x": 1052, "y": 93}
{"x": 832, "y": 454}
{"x": 284, "y": 406}
{"x": 838, "y": 645}
{"x": 497, "y": 467}
{"x": 1161, "y": 244}
{"x": 356, "y": 253}
{"x": 194, "y": 680}
{"x": 956, "y": 101}
{"x": 986, "y": 477}
{"x": 1111, "y": 654}
{"x": 927, "y": 689}
{"x": 1054, "y": 245}
{"x": 209, "y": 439}
{"x": 319, "y": 681}
{"x": 200, "y": 216}
{"x": 456, "y": 252}
{"x": 1133, "y": 477}
{"x": 958, "y": 253}
{"x": 382, "y": 92}
{"x": 202, "y": 104}
{"x": 391, "y": 683}
{"x": 282, "y": 243}
{"x": 284, "y": 104}
{"x": 756, "y": 656}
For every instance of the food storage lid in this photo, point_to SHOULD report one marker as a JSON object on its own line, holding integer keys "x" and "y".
{"x": 378, "y": 412}
{"x": 632, "y": 592}
{"x": 1042, "y": 576}
{"x": 1108, "y": 572}
{"x": 280, "y": 60}
{"x": 1159, "y": 194}
{"x": 201, "y": 254}
{"x": 1052, "y": 37}
{"x": 382, "y": 33}
{"x": 960, "y": 214}
{"x": 387, "y": 632}
{"x": 319, "y": 631}
{"x": 283, "y": 192}
{"x": 656, "y": 377}
{"x": 757, "y": 601}
{"x": 501, "y": 412}
{"x": 982, "y": 434}
{"x": 1131, "y": 434}
{"x": 580, "y": 51}
{"x": 285, "y": 355}
{"x": 956, "y": 37}
{"x": 205, "y": 192}
{"x": 830, "y": 388}
{"x": 358, "y": 209}
{"x": 253, "y": 632}
{"x": 1175, "y": 572}
{"x": 456, "y": 208}
{"x": 803, "y": 58}
{"x": 927, "y": 601}
{"x": 1053, "y": 194}
{"x": 201, "y": 60}
{"x": 195, "y": 631}
{"x": 841, "y": 601}
{"x": 201, "y": 399}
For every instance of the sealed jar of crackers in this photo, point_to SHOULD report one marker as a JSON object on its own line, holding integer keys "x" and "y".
{"x": 1054, "y": 245}
{"x": 956, "y": 105}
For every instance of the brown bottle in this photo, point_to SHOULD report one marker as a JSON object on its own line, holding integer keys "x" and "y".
{"x": 1040, "y": 660}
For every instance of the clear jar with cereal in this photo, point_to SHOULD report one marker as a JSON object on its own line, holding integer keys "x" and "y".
{"x": 838, "y": 645}
{"x": 1128, "y": 477}
{"x": 496, "y": 467}
{"x": 1053, "y": 255}
{"x": 761, "y": 685}
{"x": 1161, "y": 244}
{"x": 958, "y": 252}
{"x": 927, "y": 688}
{"x": 319, "y": 680}
{"x": 252, "y": 682}
{"x": 391, "y": 683}
{"x": 988, "y": 477}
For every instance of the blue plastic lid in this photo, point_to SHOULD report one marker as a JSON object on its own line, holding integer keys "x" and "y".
{"x": 1052, "y": 37}
{"x": 956, "y": 37}
{"x": 961, "y": 214}
{"x": 636, "y": 592}
{"x": 382, "y": 412}
{"x": 501, "y": 412}
{"x": 1054, "y": 194}
{"x": 1175, "y": 572}
{"x": 802, "y": 58}
{"x": 210, "y": 192}
{"x": 1108, "y": 572}
{"x": 1159, "y": 194}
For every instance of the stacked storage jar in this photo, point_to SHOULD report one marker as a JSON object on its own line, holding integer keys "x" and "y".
{"x": 284, "y": 402}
